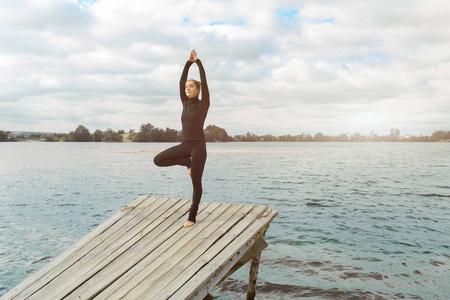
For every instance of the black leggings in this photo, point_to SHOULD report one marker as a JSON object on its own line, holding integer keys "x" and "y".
{"x": 191, "y": 154}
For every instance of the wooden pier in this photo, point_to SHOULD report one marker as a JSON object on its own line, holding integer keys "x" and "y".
{"x": 143, "y": 252}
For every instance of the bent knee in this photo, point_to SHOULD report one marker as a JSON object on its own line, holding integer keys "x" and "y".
{"x": 157, "y": 161}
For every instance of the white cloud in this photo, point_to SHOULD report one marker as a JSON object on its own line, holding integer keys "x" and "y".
{"x": 274, "y": 67}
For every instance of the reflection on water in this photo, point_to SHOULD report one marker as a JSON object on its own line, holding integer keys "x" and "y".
{"x": 357, "y": 220}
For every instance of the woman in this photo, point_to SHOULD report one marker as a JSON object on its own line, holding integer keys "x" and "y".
{"x": 192, "y": 150}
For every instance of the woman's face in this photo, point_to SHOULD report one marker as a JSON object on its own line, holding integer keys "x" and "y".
{"x": 191, "y": 89}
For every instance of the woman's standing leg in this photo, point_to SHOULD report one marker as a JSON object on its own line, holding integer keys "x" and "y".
{"x": 198, "y": 157}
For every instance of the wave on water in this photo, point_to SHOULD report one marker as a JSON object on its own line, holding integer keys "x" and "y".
{"x": 434, "y": 195}
{"x": 268, "y": 290}
{"x": 357, "y": 220}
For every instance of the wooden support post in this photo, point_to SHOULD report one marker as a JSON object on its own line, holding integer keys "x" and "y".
{"x": 251, "y": 289}
{"x": 253, "y": 275}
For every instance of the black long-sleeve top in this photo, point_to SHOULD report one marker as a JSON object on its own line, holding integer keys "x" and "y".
{"x": 194, "y": 110}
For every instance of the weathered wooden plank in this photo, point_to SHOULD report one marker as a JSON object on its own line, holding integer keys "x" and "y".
{"x": 176, "y": 269}
{"x": 194, "y": 244}
{"x": 58, "y": 274}
{"x": 142, "y": 252}
{"x": 259, "y": 245}
{"x": 203, "y": 290}
{"x": 133, "y": 255}
{"x": 205, "y": 280}
{"x": 186, "y": 275}
{"x": 34, "y": 281}
{"x": 85, "y": 279}
{"x": 141, "y": 270}
{"x": 199, "y": 294}
{"x": 105, "y": 246}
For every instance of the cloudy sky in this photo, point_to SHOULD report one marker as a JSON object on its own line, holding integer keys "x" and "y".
{"x": 278, "y": 67}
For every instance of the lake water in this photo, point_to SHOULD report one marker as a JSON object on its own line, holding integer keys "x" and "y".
{"x": 357, "y": 220}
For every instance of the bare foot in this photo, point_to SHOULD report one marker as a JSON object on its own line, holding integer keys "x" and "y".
{"x": 188, "y": 224}
{"x": 190, "y": 172}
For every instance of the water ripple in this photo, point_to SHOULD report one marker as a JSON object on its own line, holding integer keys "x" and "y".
{"x": 357, "y": 220}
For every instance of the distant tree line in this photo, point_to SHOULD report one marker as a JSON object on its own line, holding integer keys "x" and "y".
{"x": 213, "y": 133}
{"x": 148, "y": 133}
{"x": 6, "y": 136}
{"x": 394, "y": 136}
{"x": 82, "y": 134}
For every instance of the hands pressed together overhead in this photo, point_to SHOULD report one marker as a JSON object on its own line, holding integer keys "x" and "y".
{"x": 193, "y": 56}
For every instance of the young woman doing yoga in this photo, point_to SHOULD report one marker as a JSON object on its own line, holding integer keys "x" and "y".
{"x": 191, "y": 153}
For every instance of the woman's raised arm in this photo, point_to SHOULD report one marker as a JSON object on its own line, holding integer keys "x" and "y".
{"x": 183, "y": 80}
{"x": 205, "y": 90}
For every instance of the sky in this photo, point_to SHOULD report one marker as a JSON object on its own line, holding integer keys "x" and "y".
{"x": 273, "y": 67}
